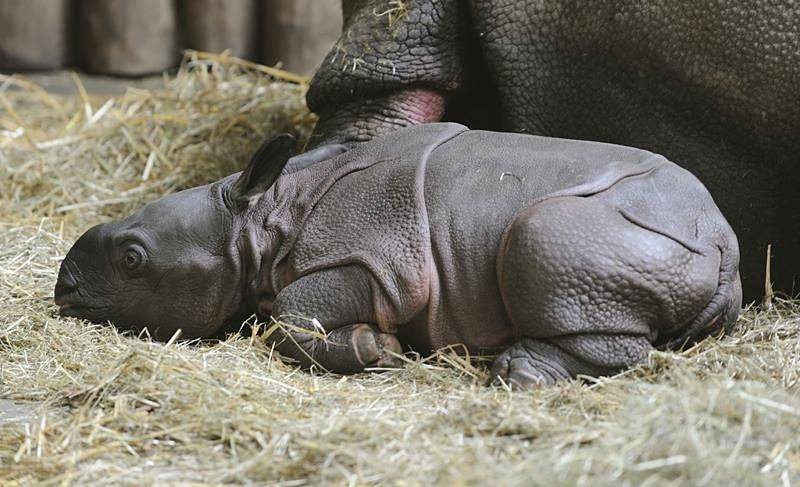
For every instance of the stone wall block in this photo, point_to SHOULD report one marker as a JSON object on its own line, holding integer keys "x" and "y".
{"x": 34, "y": 34}
{"x": 299, "y": 33}
{"x": 216, "y": 25}
{"x": 130, "y": 37}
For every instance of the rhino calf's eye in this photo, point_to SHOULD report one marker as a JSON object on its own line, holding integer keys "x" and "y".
{"x": 133, "y": 259}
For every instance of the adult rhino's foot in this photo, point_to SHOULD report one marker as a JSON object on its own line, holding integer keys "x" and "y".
{"x": 528, "y": 364}
{"x": 376, "y": 349}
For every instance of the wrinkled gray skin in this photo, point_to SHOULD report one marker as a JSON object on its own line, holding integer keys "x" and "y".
{"x": 567, "y": 257}
{"x": 712, "y": 85}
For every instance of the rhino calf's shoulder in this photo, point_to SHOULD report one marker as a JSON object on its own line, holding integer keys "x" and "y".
{"x": 567, "y": 257}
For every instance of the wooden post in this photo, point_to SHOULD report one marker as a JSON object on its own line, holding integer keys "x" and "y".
{"x": 34, "y": 34}
{"x": 299, "y": 33}
{"x": 216, "y": 25}
{"x": 130, "y": 37}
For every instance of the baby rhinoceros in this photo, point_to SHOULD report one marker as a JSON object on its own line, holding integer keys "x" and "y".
{"x": 566, "y": 257}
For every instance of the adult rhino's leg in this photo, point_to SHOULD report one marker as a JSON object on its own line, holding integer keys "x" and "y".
{"x": 590, "y": 290}
{"x": 393, "y": 66}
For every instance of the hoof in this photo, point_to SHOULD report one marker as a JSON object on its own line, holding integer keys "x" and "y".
{"x": 372, "y": 348}
{"x": 388, "y": 343}
{"x": 520, "y": 367}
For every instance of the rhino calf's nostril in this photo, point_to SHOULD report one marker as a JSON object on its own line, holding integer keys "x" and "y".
{"x": 66, "y": 283}
{"x": 62, "y": 290}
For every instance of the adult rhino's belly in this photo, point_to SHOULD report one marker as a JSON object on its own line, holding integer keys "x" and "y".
{"x": 627, "y": 71}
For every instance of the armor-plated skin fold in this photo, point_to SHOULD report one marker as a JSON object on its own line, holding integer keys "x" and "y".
{"x": 570, "y": 257}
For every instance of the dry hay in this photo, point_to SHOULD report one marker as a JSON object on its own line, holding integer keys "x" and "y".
{"x": 118, "y": 409}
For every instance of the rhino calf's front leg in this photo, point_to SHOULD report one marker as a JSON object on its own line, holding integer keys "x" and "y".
{"x": 339, "y": 301}
{"x": 346, "y": 350}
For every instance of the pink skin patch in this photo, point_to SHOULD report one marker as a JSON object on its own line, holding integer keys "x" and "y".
{"x": 363, "y": 119}
{"x": 420, "y": 106}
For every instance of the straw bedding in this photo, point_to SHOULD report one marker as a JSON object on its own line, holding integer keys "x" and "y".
{"x": 109, "y": 408}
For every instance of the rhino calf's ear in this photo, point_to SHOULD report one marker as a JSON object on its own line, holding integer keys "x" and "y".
{"x": 264, "y": 168}
{"x": 314, "y": 156}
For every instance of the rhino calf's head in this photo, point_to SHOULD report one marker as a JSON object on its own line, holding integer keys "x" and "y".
{"x": 175, "y": 263}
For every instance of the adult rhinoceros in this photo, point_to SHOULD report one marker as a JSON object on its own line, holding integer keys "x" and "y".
{"x": 712, "y": 85}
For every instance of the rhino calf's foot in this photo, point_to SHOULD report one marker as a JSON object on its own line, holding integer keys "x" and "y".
{"x": 346, "y": 350}
{"x": 527, "y": 365}
{"x": 376, "y": 349}
{"x": 532, "y": 363}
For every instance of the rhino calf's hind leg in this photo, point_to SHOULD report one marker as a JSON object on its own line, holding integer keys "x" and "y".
{"x": 589, "y": 290}
{"x": 538, "y": 362}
